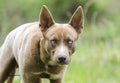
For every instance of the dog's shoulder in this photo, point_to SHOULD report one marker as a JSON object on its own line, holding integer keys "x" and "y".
{"x": 29, "y": 34}
{"x": 25, "y": 36}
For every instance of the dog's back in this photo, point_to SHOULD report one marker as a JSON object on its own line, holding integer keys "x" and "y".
{"x": 15, "y": 38}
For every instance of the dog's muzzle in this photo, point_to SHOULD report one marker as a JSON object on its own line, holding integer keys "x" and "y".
{"x": 63, "y": 60}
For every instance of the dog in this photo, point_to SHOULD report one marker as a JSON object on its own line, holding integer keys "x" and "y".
{"x": 40, "y": 49}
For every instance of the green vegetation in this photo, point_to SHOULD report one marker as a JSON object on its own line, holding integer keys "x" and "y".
{"x": 96, "y": 59}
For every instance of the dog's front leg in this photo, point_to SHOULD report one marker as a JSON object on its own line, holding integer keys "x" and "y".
{"x": 33, "y": 81}
{"x": 29, "y": 78}
{"x": 56, "y": 81}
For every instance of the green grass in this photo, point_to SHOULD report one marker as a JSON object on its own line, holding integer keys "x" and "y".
{"x": 96, "y": 59}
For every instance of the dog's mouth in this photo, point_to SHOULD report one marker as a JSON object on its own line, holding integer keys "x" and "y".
{"x": 57, "y": 63}
{"x": 62, "y": 63}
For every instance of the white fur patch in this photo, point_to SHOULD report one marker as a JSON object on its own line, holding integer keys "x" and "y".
{"x": 37, "y": 73}
{"x": 62, "y": 49}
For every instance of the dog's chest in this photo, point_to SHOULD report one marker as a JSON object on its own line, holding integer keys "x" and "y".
{"x": 48, "y": 75}
{"x": 51, "y": 72}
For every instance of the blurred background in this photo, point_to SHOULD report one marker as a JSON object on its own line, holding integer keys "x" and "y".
{"x": 97, "y": 57}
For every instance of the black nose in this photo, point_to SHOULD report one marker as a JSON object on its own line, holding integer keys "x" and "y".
{"x": 61, "y": 59}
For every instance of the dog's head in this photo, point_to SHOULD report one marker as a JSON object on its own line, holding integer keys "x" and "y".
{"x": 59, "y": 39}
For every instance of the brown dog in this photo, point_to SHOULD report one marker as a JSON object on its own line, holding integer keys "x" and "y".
{"x": 40, "y": 49}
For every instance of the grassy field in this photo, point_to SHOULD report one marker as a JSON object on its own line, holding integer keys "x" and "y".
{"x": 96, "y": 59}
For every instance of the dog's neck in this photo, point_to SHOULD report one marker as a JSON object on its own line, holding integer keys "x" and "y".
{"x": 44, "y": 56}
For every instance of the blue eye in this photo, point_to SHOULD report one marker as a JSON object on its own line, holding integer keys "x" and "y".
{"x": 70, "y": 42}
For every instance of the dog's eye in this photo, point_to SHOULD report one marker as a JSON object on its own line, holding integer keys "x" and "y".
{"x": 54, "y": 42}
{"x": 70, "y": 42}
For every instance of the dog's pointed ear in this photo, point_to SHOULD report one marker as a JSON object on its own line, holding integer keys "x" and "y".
{"x": 46, "y": 19}
{"x": 77, "y": 20}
